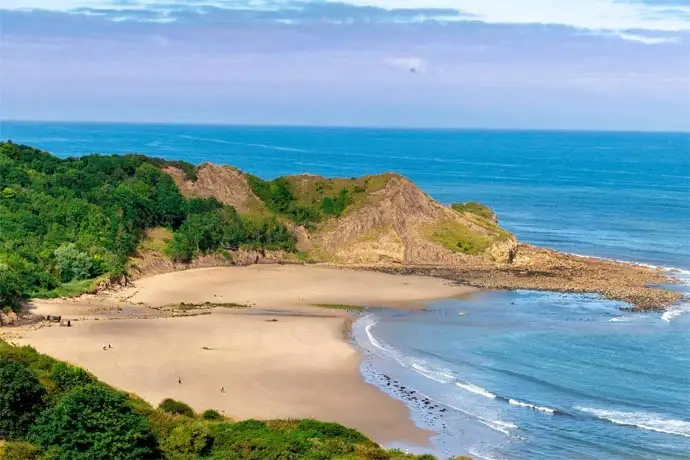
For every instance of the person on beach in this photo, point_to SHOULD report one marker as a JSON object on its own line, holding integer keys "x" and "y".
{"x": 222, "y": 389}
{"x": 179, "y": 380}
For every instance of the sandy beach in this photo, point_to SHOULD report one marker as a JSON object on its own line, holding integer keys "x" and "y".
{"x": 281, "y": 358}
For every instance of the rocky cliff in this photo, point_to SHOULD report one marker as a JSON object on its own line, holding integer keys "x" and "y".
{"x": 387, "y": 223}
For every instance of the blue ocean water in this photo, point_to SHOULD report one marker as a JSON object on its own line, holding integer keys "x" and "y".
{"x": 508, "y": 375}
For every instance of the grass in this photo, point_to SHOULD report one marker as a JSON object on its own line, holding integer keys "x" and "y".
{"x": 338, "y": 306}
{"x": 476, "y": 209}
{"x": 459, "y": 238}
{"x": 156, "y": 239}
{"x": 71, "y": 289}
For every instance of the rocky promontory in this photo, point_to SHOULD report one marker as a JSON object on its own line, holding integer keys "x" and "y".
{"x": 386, "y": 223}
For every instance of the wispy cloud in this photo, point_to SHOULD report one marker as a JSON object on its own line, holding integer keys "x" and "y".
{"x": 595, "y": 15}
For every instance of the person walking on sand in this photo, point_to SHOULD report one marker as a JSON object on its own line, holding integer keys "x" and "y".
{"x": 222, "y": 389}
{"x": 179, "y": 380}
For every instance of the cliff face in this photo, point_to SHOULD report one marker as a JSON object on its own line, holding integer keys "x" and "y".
{"x": 401, "y": 224}
{"x": 224, "y": 183}
{"x": 387, "y": 219}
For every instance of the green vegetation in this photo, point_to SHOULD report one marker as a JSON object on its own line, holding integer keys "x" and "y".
{"x": 459, "y": 238}
{"x": 475, "y": 208}
{"x": 210, "y": 414}
{"x": 176, "y": 407}
{"x": 51, "y": 410}
{"x": 336, "y": 306}
{"x": 66, "y": 223}
{"x": 308, "y": 200}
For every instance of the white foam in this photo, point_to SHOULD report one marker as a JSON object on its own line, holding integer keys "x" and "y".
{"x": 476, "y": 389}
{"x": 373, "y": 339}
{"x": 499, "y": 425}
{"x": 515, "y": 402}
{"x": 480, "y": 455}
{"x": 668, "y": 315}
{"x": 439, "y": 375}
{"x": 621, "y": 319}
{"x": 643, "y": 420}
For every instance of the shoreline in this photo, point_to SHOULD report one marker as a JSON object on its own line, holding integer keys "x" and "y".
{"x": 281, "y": 357}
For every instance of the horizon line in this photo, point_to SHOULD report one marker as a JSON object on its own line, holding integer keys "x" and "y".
{"x": 343, "y": 126}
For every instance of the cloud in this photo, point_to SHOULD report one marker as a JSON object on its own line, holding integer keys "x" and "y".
{"x": 646, "y": 39}
{"x": 593, "y": 15}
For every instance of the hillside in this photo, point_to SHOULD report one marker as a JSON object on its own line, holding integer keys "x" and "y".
{"x": 372, "y": 219}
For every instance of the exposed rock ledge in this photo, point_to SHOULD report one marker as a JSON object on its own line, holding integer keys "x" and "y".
{"x": 547, "y": 270}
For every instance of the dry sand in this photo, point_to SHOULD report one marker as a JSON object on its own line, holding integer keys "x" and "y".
{"x": 298, "y": 366}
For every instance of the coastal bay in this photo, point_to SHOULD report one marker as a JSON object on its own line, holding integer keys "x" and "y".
{"x": 275, "y": 353}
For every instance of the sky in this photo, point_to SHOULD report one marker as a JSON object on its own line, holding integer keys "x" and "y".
{"x": 554, "y": 64}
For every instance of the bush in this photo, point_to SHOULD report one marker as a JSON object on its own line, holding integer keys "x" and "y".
{"x": 21, "y": 399}
{"x": 187, "y": 441}
{"x": 210, "y": 414}
{"x": 92, "y": 422}
{"x": 176, "y": 407}
{"x": 19, "y": 451}
{"x": 67, "y": 377}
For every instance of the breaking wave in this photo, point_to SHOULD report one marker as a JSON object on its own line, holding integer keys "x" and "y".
{"x": 476, "y": 390}
{"x": 547, "y": 410}
{"x": 642, "y": 420}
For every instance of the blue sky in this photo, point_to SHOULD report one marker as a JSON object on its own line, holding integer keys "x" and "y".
{"x": 561, "y": 64}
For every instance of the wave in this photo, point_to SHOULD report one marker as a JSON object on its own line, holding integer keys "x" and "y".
{"x": 668, "y": 315}
{"x": 246, "y": 144}
{"x": 547, "y": 410}
{"x": 476, "y": 389}
{"x": 643, "y": 420}
{"x": 621, "y": 319}
{"x": 499, "y": 425}
{"x": 372, "y": 339}
{"x": 439, "y": 375}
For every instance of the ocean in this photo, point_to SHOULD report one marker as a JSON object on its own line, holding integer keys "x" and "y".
{"x": 499, "y": 375}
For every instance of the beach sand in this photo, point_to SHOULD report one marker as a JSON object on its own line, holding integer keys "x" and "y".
{"x": 298, "y": 366}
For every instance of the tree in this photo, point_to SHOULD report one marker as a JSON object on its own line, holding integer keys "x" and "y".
{"x": 92, "y": 422}
{"x": 72, "y": 263}
{"x": 21, "y": 399}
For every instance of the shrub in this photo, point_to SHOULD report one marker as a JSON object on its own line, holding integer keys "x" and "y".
{"x": 210, "y": 414}
{"x": 187, "y": 441}
{"x": 67, "y": 377}
{"x": 21, "y": 399}
{"x": 92, "y": 422}
{"x": 19, "y": 451}
{"x": 176, "y": 407}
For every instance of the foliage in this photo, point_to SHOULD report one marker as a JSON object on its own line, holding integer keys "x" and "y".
{"x": 67, "y": 221}
{"x": 176, "y": 407}
{"x": 21, "y": 399}
{"x": 188, "y": 440}
{"x": 210, "y": 414}
{"x": 19, "y": 451}
{"x": 87, "y": 420}
{"x": 477, "y": 209}
{"x": 459, "y": 238}
{"x": 94, "y": 422}
{"x": 67, "y": 377}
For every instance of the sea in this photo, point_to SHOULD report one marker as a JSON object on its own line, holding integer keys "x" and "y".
{"x": 497, "y": 375}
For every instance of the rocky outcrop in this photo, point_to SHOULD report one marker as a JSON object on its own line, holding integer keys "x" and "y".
{"x": 393, "y": 226}
{"x": 398, "y": 224}
{"x": 225, "y": 183}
